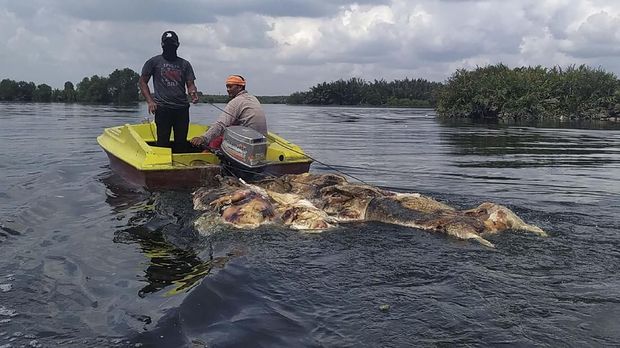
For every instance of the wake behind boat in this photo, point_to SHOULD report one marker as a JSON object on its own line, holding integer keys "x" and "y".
{"x": 133, "y": 155}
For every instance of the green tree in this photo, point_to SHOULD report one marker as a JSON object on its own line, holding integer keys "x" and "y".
{"x": 297, "y": 98}
{"x": 356, "y": 91}
{"x": 69, "y": 94}
{"x": 43, "y": 93}
{"x": 25, "y": 91}
{"x": 82, "y": 89}
{"x": 8, "y": 89}
{"x": 93, "y": 90}
{"x": 123, "y": 86}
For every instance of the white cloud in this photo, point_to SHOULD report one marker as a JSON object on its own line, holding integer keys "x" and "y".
{"x": 597, "y": 36}
{"x": 282, "y": 49}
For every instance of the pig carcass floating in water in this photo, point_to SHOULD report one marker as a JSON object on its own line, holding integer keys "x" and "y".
{"x": 316, "y": 202}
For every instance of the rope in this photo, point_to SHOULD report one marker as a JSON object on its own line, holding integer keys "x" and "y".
{"x": 301, "y": 153}
{"x": 388, "y": 171}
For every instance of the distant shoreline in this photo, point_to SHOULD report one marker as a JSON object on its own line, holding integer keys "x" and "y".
{"x": 493, "y": 92}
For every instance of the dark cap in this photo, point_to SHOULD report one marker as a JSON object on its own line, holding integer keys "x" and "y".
{"x": 170, "y": 37}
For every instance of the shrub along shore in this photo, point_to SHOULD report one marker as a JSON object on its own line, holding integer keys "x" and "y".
{"x": 526, "y": 93}
{"x": 493, "y": 92}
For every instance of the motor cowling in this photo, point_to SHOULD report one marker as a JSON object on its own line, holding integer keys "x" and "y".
{"x": 244, "y": 147}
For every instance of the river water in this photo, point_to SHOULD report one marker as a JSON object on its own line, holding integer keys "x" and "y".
{"x": 87, "y": 260}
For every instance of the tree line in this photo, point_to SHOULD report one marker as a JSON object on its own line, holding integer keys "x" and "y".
{"x": 492, "y": 92}
{"x": 525, "y": 93}
{"x": 356, "y": 91}
{"x": 121, "y": 86}
{"x": 489, "y": 92}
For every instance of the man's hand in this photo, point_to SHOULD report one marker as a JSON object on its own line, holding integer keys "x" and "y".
{"x": 197, "y": 141}
{"x": 152, "y": 107}
{"x": 192, "y": 90}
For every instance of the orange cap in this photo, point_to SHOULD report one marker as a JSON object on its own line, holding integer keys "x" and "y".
{"x": 235, "y": 80}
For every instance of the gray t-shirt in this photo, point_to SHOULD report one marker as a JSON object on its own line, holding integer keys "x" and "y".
{"x": 169, "y": 80}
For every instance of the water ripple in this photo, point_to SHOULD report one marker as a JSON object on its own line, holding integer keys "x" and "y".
{"x": 91, "y": 261}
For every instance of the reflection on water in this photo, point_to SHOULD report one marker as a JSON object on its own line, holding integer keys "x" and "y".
{"x": 169, "y": 265}
{"x": 89, "y": 261}
{"x": 609, "y": 124}
{"x": 120, "y": 195}
{"x": 524, "y": 147}
{"x": 160, "y": 224}
{"x": 540, "y": 160}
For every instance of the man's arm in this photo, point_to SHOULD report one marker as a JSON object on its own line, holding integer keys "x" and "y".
{"x": 146, "y": 92}
{"x": 192, "y": 90}
{"x": 227, "y": 118}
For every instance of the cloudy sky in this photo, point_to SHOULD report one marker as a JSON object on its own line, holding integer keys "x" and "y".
{"x": 290, "y": 45}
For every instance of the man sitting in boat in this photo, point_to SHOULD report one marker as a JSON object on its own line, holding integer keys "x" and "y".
{"x": 243, "y": 109}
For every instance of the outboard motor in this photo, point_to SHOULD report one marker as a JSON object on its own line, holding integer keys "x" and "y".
{"x": 243, "y": 152}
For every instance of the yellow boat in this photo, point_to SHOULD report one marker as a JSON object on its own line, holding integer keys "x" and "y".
{"x": 133, "y": 155}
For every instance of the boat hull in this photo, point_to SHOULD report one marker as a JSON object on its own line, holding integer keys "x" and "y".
{"x": 165, "y": 178}
{"x": 271, "y": 170}
{"x": 133, "y": 156}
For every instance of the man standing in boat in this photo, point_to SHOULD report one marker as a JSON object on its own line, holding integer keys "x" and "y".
{"x": 171, "y": 75}
{"x": 243, "y": 109}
